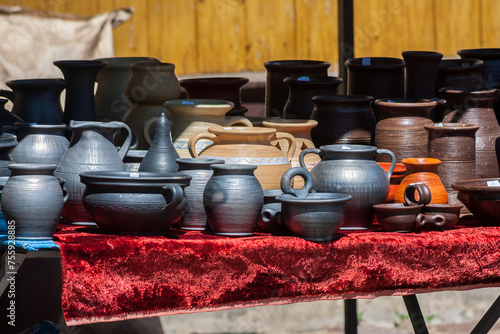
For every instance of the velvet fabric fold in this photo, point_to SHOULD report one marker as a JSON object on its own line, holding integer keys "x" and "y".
{"x": 112, "y": 277}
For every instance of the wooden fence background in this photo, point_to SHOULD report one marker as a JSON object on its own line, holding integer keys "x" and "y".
{"x": 210, "y": 36}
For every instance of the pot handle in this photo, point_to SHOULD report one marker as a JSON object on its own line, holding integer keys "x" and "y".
{"x": 289, "y": 175}
{"x": 126, "y": 144}
{"x": 65, "y": 194}
{"x": 269, "y": 216}
{"x": 292, "y": 143}
{"x": 193, "y": 140}
{"x": 424, "y": 194}
{"x": 430, "y": 219}
{"x": 7, "y": 94}
{"x": 393, "y": 161}
{"x": 177, "y": 195}
{"x": 232, "y": 120}
{"x": 307, "y": 151}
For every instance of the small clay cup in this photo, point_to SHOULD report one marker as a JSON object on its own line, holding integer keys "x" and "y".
{"x": 397, "y": 217}
{"x": 451, "y": 212}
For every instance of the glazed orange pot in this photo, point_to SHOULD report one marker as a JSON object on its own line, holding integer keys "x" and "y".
{"x": 423, "y": 170}
{"x": 396, "y": 177}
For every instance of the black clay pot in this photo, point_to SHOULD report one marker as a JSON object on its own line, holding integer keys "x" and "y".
{"x": 421, "y": 71}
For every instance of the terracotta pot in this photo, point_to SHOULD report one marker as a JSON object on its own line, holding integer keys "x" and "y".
{"x": 220, "y": 88}
{"x": 396, "y": 177}
{"x": 302, "y": 89}
{"x": 459, "y": 73}
{"x": 342, "y": 120}
{"x": 423, "y": 170}
{"x": 421, "y": 72}
{"x": 194, "y": 116}
{"x": 378, "y": 77}
{"x": 244, "y": 145}
{"x": 277, "y": 70}
{"x": 400, "y": 128}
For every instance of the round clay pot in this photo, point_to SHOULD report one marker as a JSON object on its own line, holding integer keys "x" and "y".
{"x": 397, "y": 217}
{"x": 421, "y": 72}
{"x": 451, "y": 212}
{"x": 459, "y": 73}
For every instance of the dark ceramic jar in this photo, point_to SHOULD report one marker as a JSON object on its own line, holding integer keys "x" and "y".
{"x": 421, "y": 71}
{"x": 491, "y": 64}
{"x": 459, "y": 73}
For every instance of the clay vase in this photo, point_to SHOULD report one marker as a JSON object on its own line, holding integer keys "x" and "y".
{"x": 400, "y": 128}
{"x": 91, "y": 148}
{"x": 80, "y": 77}
{"x": 277, "y": 70}
{"x": 302, "y": 89}
{"x": 161, "y": 155}
{"x": 194, "y": 116}
{"x": 7, "y": 142}
{"x": 149, "y": 86}
{"x": 244, "y": 145}
{"x": 33, "y": 198}
{"x": 342, "y": 119}
{"x": 423, "y": 170}
{"x": 219, "y": 88}
{"x": 459, "y": 73}
{"x": 378, "y": 77}
{"x": 476, "y": 107}
{"x": 111, "y": 104}
{"x": 351, "y": 169}
{"x": 421, "y": 71}
{"x": 36, "y": 100}
{"x": 41, "y": 143}
{"x": 199, "y": 169}
{"x": 233, "y": 199}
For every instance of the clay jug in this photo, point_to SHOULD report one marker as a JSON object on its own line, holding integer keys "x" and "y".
{"x": 80, "y": 77}
{"x": 91, "y": 148}
{"x": 459, "y": 73}
{"x": 193, "y": 116}
{"x": 111, "y": 104}
{"x": 149, "y": 86}
{"x": 36, "y": 100}
{"x": 476, "y": 107}
{"x": 277, "y": 70}
{"x": 161, "y": 155}
{"x": 421, "y": 72}
{"x": 219, "y": 88}
{"x": 400, "y": 128}
{"x": 245, "y": 145}
{"x": 302, "y": 89}
{"x": 343, "y": 119}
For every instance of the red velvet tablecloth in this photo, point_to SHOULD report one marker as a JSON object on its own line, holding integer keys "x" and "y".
{"x": 110, "y": 277}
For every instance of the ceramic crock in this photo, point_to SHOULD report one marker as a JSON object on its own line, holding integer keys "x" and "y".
{"x": 351, "y": 169}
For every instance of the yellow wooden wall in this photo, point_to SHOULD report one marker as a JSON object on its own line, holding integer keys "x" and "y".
{"x": 209, "y": 36}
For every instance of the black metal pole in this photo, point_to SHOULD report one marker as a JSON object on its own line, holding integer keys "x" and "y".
{"x": 489, "y": 318}
{"x": 350, "y": 317}
{"x": 415, "y": 314}
{"x": 346, "y": 38}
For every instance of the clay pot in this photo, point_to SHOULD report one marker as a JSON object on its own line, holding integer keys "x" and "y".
{"x": 33, "y": 198}
{"x": 378, "y": 77}
{"x": 195, "y": 217}
{"x": 423, "y": 170}
{"x": 397, "y": 217}
{"x": 220, "y": 88}
{"x": 396, "y": 177}
{"x": 194, "y": 116}
{"x": 111, "y": 104}
{"x": 233, "y": 200}
{"x": 36, "y": 100}
{"x": 149, "y": 86}
{"x": 342, "y": 120}
{"x": 134, "y": 203}
{"x": 277, "y": 70}
{"x": 451, "y": 213}
{"x": 351, "y": 169}
{"x": 255, "y": 146}
{"x": 401, "y": 127}
{"x": 459, "y": 73}
{"x": 7, "y": 142}
{"x": 421, "y": 72}
{"x": 302, "y": 89}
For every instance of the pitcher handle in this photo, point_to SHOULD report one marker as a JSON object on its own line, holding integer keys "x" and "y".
{"x": 145, "y": 130}
{"x": 290, "y": 174}
{"x": 292, "y": 143}
{"x": 238, "y": 119}
{"x": 307, "y": 151}
{"x": 126, "y": 144}
{"x": 177, "y": 195}
{"x": 393, "y": 161}
{"x": 193, "y": 140}
{"x": 7, "y": 94}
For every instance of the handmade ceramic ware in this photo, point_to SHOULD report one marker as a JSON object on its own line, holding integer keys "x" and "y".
{"x": 396, "y": 177}
{"x": 459, "y": 73}
{"x": 421, "y": 71}
{"x": 7, "y": 142}
{"x": 397, "y": 217}
{"x": 233, "y": 200}
{"x": 416, "y": 194}
{"x": 430, "y": 220}
{"x": 270, "y": 217}
{"x": 244, "y": 145}
{"x": 134, "y": 203}
{"x": 451, "y": 213}
{"x": 133, "y": 159}
{"x": 33, "y": 198}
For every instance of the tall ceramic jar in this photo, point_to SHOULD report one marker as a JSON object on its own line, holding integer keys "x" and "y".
{"x": 277, "y": 70}
{"x": 233, "y": 199}
{"x": 195, "y": 217}
{"x": 149, "y": 86}
{"x": 400, "y": 128}
{"x": 421, "y": 72}
{"x": 476, "y": 107}
{"x": 351, "y": 169}
{"x": 33, "y": 199}
{"x": 254, "y": 146}
{"x": 459, "y": 73}
{"x": 343, "y": 119}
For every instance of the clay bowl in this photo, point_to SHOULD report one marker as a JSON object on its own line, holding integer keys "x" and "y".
{"x": 134, "y": 202}
{"x": 482, "y": 198}
{"x": 397, "y": 217}
{"x": 316, "y": 217}
{"x": 451, "y": 213}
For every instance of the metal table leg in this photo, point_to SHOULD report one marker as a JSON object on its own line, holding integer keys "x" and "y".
{"x": 489, "y": 318}
{"x": 350, "y": 317}
{"x": 415, "y": 314}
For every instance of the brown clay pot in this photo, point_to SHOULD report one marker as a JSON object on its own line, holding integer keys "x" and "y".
{"x": 459, "y": 73}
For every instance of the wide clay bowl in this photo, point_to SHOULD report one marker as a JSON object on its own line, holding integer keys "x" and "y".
{"x": 397, "y": 217}
{"x": 134, "y": 202}
{"x": 482, "y": 198}
{"x": 316, "y": 217}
